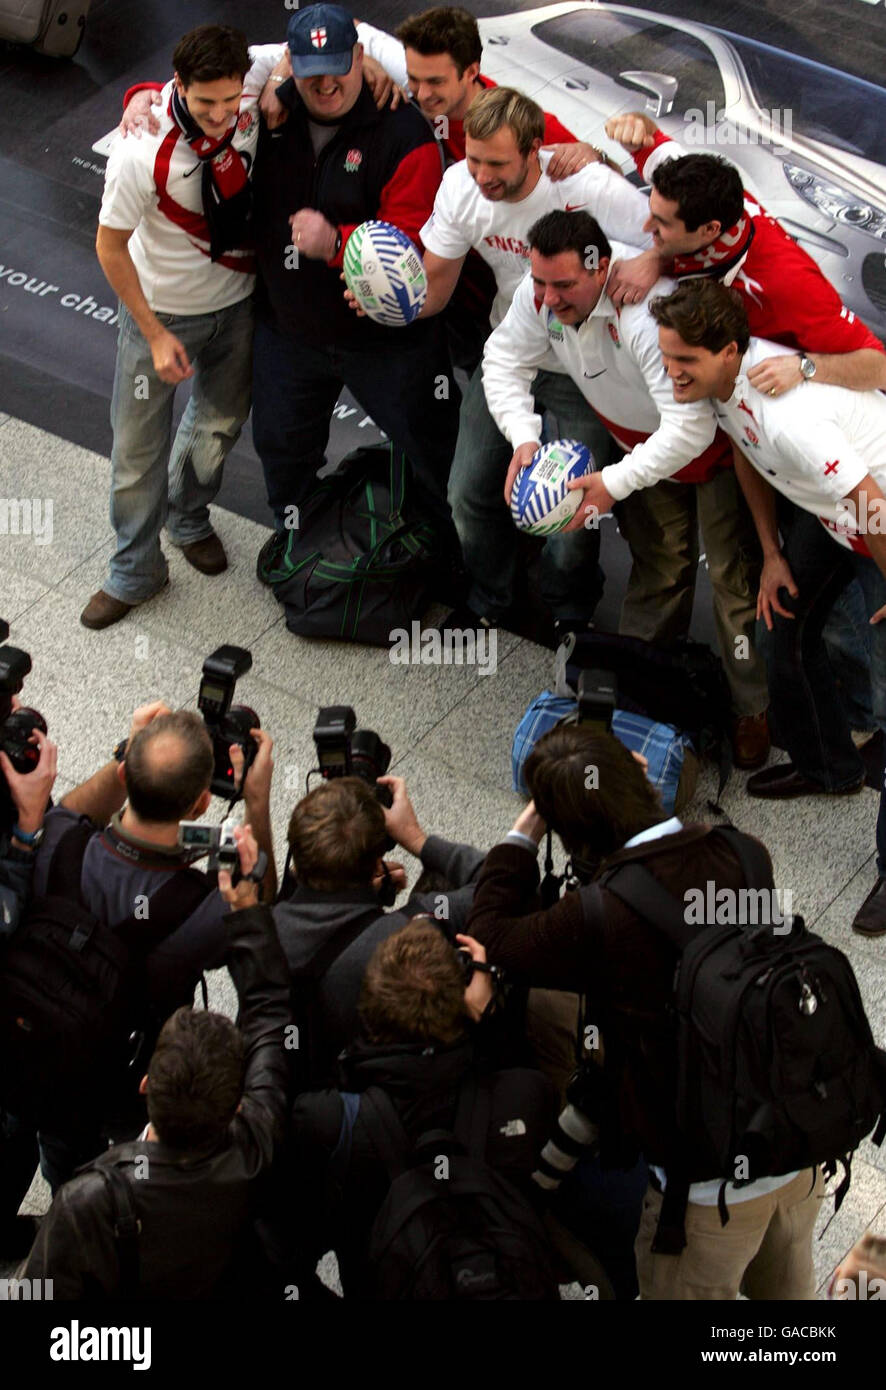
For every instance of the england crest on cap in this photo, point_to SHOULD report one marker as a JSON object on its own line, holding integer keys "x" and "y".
{"x": 318, "y": 38}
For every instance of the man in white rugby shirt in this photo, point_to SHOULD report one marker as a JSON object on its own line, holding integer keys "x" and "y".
{"x": 174, "y": 242}
{"x": 613, "y": 358}
{"x": 488, "y": 202}
{"x": 824, "y": 448}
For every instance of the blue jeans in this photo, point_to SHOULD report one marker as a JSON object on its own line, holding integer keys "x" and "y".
{"x": 150, "y": 485}
{"x": 809, "y": 711}
{"x": 408, "y": 390}
{"x": 571, "y": 578}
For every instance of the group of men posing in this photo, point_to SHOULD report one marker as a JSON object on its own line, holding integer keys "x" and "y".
{"x": 686, "y": 332}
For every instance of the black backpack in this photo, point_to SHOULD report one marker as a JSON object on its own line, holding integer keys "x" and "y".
{"x": 72, "y": 991}
{"x": 683, "y": 684}
{"x": 358, "y": 565}
{"x": 462, "y": 1232}
{"x": 777, "y": 1067}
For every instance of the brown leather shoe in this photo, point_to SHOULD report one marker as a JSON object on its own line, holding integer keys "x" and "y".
{"x": 208, "y": 556}
{"x": 750, "y": 740}
{"x": 103, "y": 611}
{"x": 870, "y": 919}
{"x": 783, "y": 781}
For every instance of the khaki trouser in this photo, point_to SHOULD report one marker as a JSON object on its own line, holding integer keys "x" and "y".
{"x": 661, "y": 525}
{"x": 764, "y": 1250}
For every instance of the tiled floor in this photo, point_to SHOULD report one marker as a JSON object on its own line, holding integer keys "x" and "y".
{"x": 449, "y": 727}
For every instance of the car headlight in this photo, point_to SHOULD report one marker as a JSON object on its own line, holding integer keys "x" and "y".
{"x": 836, "y": 202}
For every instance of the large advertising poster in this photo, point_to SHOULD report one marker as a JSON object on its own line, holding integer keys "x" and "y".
{"x": 793, "y": 93}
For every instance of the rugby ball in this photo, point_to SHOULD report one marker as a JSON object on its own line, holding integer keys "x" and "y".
{"x": 540, "y": 500}
{"x": 385, "y": 274}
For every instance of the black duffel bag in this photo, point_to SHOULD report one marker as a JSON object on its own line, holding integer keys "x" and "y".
{"x": 359, "y": 564}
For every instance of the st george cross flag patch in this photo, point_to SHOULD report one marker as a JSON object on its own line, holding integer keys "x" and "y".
{"x": 318, "y": 38}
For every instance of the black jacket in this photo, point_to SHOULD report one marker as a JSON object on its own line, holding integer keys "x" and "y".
{"x": 593, "y": 943}
{"x": 308, "y": 921}
{"x": 379, "y": 164}
{"x": 16, "y": 873}
{"x": 424, "y": 1084}
{"x": 194, "y": 1206}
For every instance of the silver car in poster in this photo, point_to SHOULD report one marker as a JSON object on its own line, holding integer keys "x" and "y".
{"x": 808, "y": 139}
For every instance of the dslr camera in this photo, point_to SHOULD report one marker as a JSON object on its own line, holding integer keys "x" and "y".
{"x": 228, "y": 724}
{"x": 16, "y": 726}
{"x": 343, "y": 750}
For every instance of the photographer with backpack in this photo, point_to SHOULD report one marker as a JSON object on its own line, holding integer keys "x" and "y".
{"x": 117, "y": 935}
{"x": 417, "y": 1172}
{"x": 733, "y": 1153}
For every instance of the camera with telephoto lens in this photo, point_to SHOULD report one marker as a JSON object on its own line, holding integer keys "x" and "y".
{"x": 343, "y": 750}
{"x": 216, "y": 841}
{"x": 16, "y": 726}
{"x": 228, "y": 724}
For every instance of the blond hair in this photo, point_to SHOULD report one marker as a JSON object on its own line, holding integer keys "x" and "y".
{"x": 503, "y": 106}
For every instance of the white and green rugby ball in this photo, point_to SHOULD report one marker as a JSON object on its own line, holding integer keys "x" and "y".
{"x": 384, "y": 272}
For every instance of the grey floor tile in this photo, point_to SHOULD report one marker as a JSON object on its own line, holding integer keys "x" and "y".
{"x": 835, "y": 923}
{"x": 817, "y": 844}
{"x": 87, "y": 684}
{"x": 39, "y": 466}
{"x": 459, "y": 807}
{"x": 202, "y": 611}
{"x": 401, "y": 702}
{"x": 18, "y": 592}
{"x": 474, "y": 739}
{"x": 863, "y": 1204}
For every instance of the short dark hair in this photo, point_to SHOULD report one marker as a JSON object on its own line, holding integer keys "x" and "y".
{"x": 705, "y": 187}
{"x": 337, "y": 835}
{"x": 195, "y": 1078}
{"x": 413, "y": 990}
{"x": 209, "y": 53}
{"x": 593, "y": 815}
{"x": 444, "y": 29}
{"x": 560, "y": 231}
{"x": 705, "y": 314}
{"x": 162, "y": 790}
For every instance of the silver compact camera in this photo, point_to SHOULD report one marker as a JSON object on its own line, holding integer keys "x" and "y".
{"x": 215, "y": 841}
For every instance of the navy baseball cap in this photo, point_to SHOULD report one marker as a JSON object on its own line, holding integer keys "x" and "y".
{"x": 321, "y": 39}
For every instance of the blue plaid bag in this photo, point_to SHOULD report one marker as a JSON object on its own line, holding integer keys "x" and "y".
{"x": 665, "y": 748}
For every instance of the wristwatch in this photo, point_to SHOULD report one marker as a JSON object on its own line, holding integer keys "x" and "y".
{"x": 120, "y": 750}
{"x": 807, "y": 367}
{"x": 31, "y": 838}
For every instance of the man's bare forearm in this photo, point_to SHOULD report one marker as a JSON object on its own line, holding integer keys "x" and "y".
{"x": 122, "y": 276}
{"x": 99, "y": 797}
{"x": 259, "y": 817}
{"x": 862, "y": 370}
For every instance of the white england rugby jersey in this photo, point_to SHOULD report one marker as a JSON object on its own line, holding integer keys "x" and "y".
{"x": 814, "y": 444}
{"x": 154, "y": 184}
{"x": 615, "y": 361}
{"x": 463, "y": 218}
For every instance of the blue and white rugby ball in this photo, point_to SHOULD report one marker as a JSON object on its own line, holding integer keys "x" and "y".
{"x": 540, "y": 500}
{"x": 384, "y": 272}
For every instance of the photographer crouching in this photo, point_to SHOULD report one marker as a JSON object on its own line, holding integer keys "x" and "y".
{"x": 334, "y": 907}
{"x": 593, "y": 793}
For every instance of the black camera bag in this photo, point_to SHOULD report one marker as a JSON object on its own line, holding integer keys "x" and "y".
{"x": 683, "y": 685}
{"x": 777, "y": 1066}
{"x": 72, "y": 991}
{"x": 470, "y": 1235}
{"x": 358, "y": 565}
